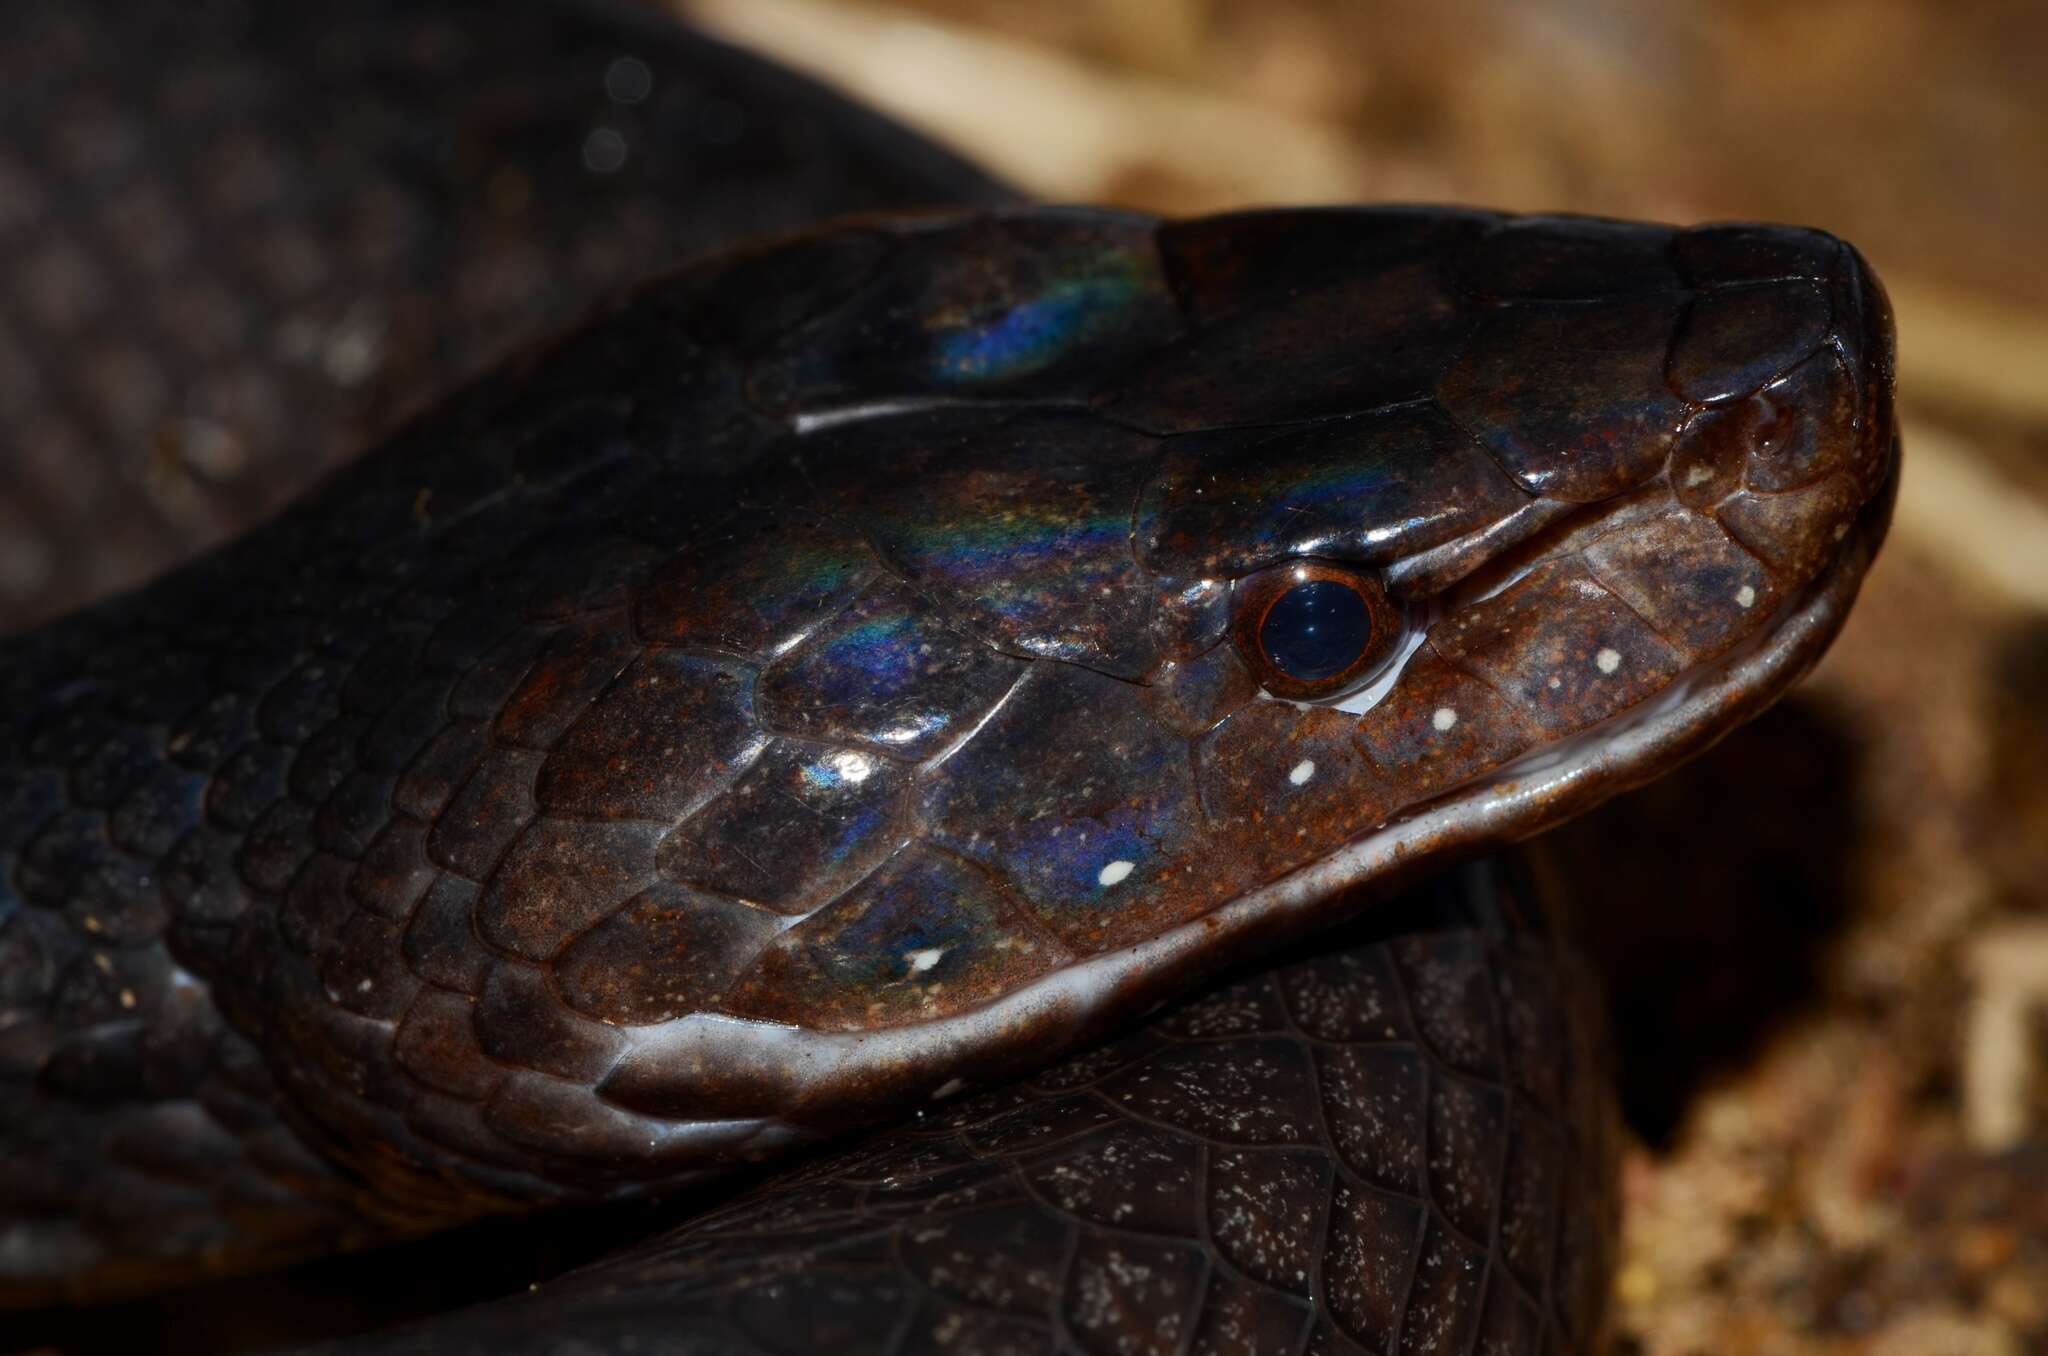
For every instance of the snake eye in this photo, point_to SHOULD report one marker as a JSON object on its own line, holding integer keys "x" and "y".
{"x": 1310, "y": 629}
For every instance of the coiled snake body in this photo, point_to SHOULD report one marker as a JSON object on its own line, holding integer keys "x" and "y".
{"x": 852, "y": 671}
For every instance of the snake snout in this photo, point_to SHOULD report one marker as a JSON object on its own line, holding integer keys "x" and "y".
{"x": 1703, "y": 428}
{"x": 1795, "y": 374}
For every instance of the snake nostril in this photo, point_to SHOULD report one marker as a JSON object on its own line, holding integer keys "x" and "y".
{"x": 1774, "y": 432}
{"x": 1797, "y": 430}
{"x": 1805, "y": 426}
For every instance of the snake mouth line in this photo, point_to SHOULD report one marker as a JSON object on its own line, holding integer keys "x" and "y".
{"x": 833, "y": 1075}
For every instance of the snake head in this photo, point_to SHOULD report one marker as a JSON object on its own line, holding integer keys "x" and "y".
{"x": 1143, "y": 593}
{"x": 877, "y": 661}
{"x": 1618, "y": 507}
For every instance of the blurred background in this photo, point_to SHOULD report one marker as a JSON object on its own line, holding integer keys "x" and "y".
{"x": 1828, "y": 940}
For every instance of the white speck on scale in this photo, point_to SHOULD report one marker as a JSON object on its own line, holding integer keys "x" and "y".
{"x": 1443, "y": 718}
{"x": 1115, "y": 872}
{"x": 1607, "y": 661}
{"x": 1302, "y": 771}
{"x": 1745, "y": 596}
{"x": 921, "y": 961}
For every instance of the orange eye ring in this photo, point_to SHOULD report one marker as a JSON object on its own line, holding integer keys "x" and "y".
{"x": 1310, "y": 629}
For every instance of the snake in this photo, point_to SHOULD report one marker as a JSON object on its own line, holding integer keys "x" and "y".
{"x": 1038, "y": 676}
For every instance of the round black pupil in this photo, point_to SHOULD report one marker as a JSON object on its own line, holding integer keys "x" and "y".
{"x": 1316, "y": 630}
